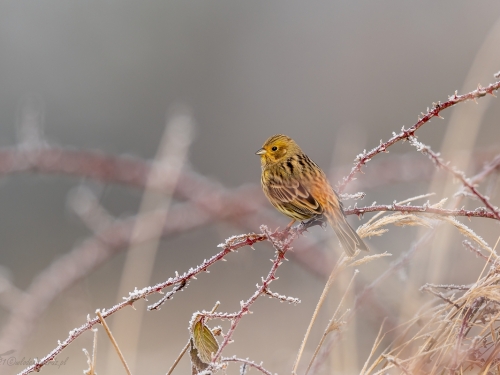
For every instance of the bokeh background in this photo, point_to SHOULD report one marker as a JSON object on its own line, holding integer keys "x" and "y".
{"x": 336, "y": 76}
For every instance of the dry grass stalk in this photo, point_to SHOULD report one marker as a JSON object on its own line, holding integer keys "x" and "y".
{"x": 113, "y": 341}
{"x": 342, "y": 263}
{"x": 91, "y": 361}
{"x": 335, "y": 322}
{"x": 457, "y": 337}
{"x": 377, "y": 226}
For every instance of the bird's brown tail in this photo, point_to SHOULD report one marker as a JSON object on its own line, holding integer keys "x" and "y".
{"x": 346, "y": 234}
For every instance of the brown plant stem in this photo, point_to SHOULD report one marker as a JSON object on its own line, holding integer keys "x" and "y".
{"x": 113, "y": 341}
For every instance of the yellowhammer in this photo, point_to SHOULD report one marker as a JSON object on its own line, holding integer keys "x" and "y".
{"x": 298, "y": 188}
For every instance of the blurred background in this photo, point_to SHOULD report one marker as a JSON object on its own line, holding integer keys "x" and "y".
{"x": 336, "y": 76}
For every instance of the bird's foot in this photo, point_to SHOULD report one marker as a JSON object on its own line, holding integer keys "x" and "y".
{"x": 316, "y": 220}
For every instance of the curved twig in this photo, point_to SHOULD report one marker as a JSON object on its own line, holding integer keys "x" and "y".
{"x": 365, "y": 157}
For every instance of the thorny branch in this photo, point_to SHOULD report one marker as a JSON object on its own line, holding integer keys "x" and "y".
{"x": 478, "y": 212}
{"x": 282, "y": 245}
{"x": 234, "y": 244}
{"x": 84, "y": 258}
{"x": 406, "y": 168}
{"x": 365, "y": 157}
{"x": 209, "y": 202}
{"x": 281, "y": 240}
{"x": 248, "y": 363}
{"x": 458, "y": 174}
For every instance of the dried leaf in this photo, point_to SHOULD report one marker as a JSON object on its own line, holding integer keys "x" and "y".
{"x": 203, "y": 340}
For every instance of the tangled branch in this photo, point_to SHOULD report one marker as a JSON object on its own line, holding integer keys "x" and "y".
{"x": 280, "y": 240}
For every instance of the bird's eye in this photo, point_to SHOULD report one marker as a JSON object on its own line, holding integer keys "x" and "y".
{"x": 274, "y": 148}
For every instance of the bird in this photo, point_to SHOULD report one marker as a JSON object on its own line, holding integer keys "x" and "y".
{"x": 299, "y": 189}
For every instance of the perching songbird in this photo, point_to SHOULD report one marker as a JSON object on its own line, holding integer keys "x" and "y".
{"x": 298, "y": 188}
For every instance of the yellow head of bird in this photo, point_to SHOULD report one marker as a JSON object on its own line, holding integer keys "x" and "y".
{"x": 277, "y": 148}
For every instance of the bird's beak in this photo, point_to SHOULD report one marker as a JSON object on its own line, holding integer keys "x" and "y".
{"x": 261, "y": 152}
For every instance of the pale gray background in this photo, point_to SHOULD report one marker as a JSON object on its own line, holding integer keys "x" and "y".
{"x": 105, "y": 72}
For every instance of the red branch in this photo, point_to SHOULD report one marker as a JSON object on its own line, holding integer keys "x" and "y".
{"x": 458, "y": 174}
{"x": 280, "y": 240}
{"x": 478, "y": 212}
{"x": 232, "y": 244}
{"x": 364, "y": 157}
{"x": 87, "y": 256}
{"x": 282, "y": 243}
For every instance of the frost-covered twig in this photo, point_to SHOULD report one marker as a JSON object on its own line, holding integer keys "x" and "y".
{"x": 79, "y": 262}
{"x": 404, "y": 168}
{"x": 365, "y": 157}
{"x": 282, "y": 242}
{"x": 248, "y": 363}
{"x": 281, "y": 297}
{"x": 478, "y": 212}
{"x": 444, "y": 286}
{"x": 111, "y": 238}
{"x": 359, "y": 195}
{"x": 476, "y": 251}
{"x": 236, "y": 243}
{"x": 230, "y": 245}
{"x": 455, "y": 172}
{"x": 429, "y": 289}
